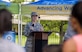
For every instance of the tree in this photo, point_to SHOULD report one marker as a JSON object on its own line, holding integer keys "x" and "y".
{"x": 33, "y": 0}
{"x": 26, "y": 19}
{"x": 53, "y": 25}
{"x": 18, "y": 1}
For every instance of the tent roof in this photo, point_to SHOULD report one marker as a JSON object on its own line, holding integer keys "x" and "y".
{"x": 53, "y": 2}
{"x": 54, "y": 17}
{"x": 48, "y": 7}
{"x": 5, "y": 3}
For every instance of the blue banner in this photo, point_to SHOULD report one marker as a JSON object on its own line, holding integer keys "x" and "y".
{"x": 54, "y": 2}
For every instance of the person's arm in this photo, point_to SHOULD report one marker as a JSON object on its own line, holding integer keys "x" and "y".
{"x": 69, "y": 32}
{"x": 27, "y": 30}
{"x": 69, "y": 46}
{"x": 41, "y": 28}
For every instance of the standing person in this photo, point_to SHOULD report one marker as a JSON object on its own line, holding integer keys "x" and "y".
{"x": 32, "y": 26}
{"x": 74, "y": 44}
{"x": 5, "y": 26}
{"x": 70, "y": 32}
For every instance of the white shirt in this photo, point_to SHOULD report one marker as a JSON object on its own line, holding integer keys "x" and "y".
{"x": 7, "y": 46}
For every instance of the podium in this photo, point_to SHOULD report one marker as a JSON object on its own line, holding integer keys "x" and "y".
{"x": 40, "y": 39}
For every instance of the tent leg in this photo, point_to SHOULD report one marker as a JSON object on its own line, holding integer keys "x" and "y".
{"x": 61, "y": 32}
{"x": 19, "y": 26}
{"x": 19, "y": 31}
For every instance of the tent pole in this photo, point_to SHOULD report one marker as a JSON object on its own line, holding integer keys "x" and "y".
{"x": 21, "y": 22}
{"x": 18, "y": 29}
{"x": 21, "y": 29}
{"x": 19, "y": 25}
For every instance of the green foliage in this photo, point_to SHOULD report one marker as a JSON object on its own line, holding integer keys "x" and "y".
{"x": 18, "y": 1}
{"x": 65, "y": 27}
{"x": 26, "y": 19}
{"x": 33, "y": 0}
{"x": 53, "y": 34}
{"x": 53, "y": 25}
{"x": 14, "y": 8}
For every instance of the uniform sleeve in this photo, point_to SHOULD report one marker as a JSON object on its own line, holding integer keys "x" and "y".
{"x": 42, "y": 29}
{"x": 70, "y": 32}
{"x": 27, "y": 30}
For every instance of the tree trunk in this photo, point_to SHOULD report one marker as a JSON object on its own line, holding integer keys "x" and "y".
{"x": 61, "y": 32}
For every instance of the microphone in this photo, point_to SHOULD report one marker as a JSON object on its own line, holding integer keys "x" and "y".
{"x": 39, "y": 17}
{"x": 33, "y": 25}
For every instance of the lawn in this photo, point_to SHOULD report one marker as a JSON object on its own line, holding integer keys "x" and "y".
{"x": 52, "y": 39}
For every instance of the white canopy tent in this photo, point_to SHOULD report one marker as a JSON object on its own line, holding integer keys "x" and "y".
{"x": 54, "y": 17}
{"x": 48, "y": 9}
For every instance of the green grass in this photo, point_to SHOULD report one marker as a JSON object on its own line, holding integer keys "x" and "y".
{"x": 52, "y": 39}
{"x": 23, "y": 40}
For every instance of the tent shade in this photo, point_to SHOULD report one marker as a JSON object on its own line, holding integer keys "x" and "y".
{"x": 14, "y": 8}
{"x": 54, "y": 17}
{"x": 47, "y": 9}
{"x": 54, "y": 2}
{"x": 4, "y": 3}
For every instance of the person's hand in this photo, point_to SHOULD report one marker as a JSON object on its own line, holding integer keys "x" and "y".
{"x": 31, "y": 28}
{"x": 41, "y": 29}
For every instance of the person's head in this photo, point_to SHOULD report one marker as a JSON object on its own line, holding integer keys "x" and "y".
{"x": 34, "y": 16}
{"x": 76, "y": 17}
{"x": 5, "y": 21}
